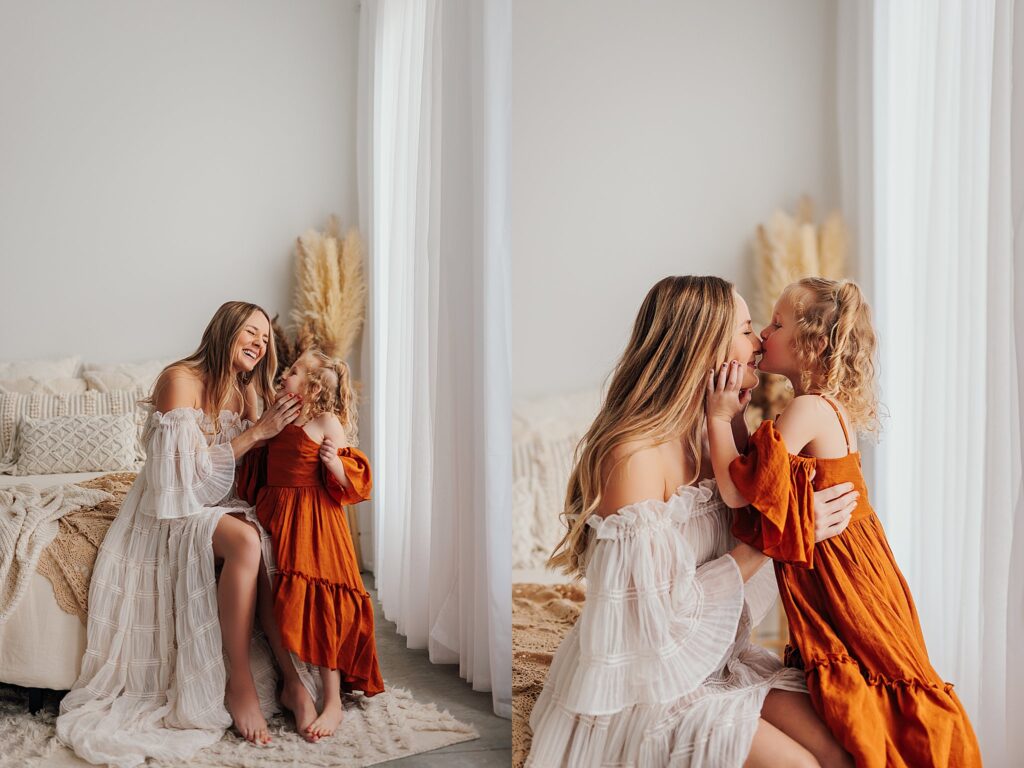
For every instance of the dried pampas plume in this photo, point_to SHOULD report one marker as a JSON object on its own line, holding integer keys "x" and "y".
{"x": 787, "y": 248}
{"x": 330, "y": 290}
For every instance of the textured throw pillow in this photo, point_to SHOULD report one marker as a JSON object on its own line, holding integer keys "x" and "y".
{"x": 57, "y": 368}
{"x": 75, "y": 444}
{"x": 106, "y": 378}
{"x": 40, "y": 406}
{"x": 30, "y": 384}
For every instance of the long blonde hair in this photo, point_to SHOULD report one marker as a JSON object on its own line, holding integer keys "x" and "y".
{"x": 326, "y": 395}
{"x": 834, "y": 343}
{"x": 656, "y": 393}
{"x": 211, "y": 361}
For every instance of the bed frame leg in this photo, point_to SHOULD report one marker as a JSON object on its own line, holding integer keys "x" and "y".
{"x": 35, "y": 700}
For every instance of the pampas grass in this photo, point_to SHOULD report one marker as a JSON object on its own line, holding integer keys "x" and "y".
{"x": 787, "y": 248}
{"x": 330, "y": 291}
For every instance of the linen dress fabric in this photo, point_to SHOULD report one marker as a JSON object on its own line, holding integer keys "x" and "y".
{"x": 854, "y": 630}
{"x": 153, "y": 676}
{"x": 322, "y": 608}
{"x": 659, "y": 669}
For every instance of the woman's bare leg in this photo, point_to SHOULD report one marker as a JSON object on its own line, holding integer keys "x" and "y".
{"x": 294, "y": 695}
{"x": 238, "y": 544}
{"x": 792, "y": 714}
{"x": 772, "y": 748}
{"x": 333, "y": 712}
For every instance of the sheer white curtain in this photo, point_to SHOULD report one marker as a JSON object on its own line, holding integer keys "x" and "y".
{"x": 932, "y": 192}
{"x": 433, "y": 153}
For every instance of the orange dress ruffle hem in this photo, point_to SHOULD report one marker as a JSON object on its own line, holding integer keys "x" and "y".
{"x": 852, "y": 622}
{"x": 322, "y": 608}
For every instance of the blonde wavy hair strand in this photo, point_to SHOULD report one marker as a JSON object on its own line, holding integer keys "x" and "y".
{"x": 655, "y": 393}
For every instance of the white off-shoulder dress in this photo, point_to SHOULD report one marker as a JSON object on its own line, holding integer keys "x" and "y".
{"x": 659, "y": 669}
{"x": 153, "y": 676}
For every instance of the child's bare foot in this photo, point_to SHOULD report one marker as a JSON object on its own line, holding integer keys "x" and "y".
{"x": 296, "y": 698}
{"x": 330, "y": 718}
{"x": 244, "y": 706}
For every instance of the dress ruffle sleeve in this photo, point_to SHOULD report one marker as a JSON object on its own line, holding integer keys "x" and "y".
{"x": 780, "y": 518}
{"x": 183, "y": 473}
{"x": 251, "y": 474}
{"x": 655, "y": 625}
{"x": 357, "y": 470}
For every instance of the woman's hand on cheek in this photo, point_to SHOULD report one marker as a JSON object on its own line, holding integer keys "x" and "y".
{"x": 284, "y": 411}
{"x": 725, "y": 399}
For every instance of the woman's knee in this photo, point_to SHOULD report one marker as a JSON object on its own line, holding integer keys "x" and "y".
{"x": 239, "y": 542}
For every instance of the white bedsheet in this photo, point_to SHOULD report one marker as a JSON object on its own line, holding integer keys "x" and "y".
{"x": 41, "y": 646}
{"x": 45, "y": 481}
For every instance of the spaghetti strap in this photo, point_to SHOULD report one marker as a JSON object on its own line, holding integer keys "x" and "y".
{"x": 841, "y": 422}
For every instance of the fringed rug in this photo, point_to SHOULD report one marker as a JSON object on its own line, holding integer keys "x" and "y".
{"x": 385, "y": 727}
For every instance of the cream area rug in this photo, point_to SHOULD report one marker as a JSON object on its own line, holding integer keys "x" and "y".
{"x": 385, "y": 727}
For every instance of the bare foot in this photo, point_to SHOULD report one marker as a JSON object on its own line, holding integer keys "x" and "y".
{"x": 296, "y": 698}
{"x": 330, "y": 718}
{"x": 244, "y": 707}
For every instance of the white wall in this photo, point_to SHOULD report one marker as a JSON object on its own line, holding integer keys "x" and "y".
{"x": 650, "y": 138}
{"x": 158, "y": 159}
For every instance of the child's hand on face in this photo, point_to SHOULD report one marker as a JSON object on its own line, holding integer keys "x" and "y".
{"x": 329, "y": 452}
{"x": 725, "y": 399}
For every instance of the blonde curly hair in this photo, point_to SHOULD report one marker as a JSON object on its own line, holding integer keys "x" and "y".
{"x": 834, "y": 343}
{"x": 329, "y": 390}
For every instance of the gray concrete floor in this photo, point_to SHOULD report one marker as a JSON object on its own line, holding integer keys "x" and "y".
{"x": 441, "y": 684}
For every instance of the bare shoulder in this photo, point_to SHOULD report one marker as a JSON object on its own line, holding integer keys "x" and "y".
{"x": 635, "y": 472}
{"x": 329, "y": 426}
{"x": 177, "y": 387}
{"x": 802, "y": 421}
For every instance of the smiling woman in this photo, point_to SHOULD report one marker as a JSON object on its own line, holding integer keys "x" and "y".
{"x": 153, "y": 680}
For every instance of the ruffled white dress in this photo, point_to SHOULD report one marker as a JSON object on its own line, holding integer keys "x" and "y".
{"x": 659, "y": 669}
{"x": 153, "y": 676}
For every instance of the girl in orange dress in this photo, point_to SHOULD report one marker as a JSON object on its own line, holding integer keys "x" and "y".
{"x": 299, "y": 482}
{"x": 852, "y": 622}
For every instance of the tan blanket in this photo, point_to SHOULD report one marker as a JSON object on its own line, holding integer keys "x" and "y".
{"x": 542, "y": 614}
{"x": 67, "y": 562}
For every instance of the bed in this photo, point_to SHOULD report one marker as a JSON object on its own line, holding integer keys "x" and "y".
{"x": 41, "y": 645}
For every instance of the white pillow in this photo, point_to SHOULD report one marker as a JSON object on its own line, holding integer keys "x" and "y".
{"x": 30, "y": 384}
{"x": 106, "y": 378}
{"x": 41, "y": 406}
{"x": 55, "y": 368}
{"x": 82, "y": 443}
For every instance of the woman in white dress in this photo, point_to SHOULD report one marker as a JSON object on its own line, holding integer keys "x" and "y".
{"x": 659, "y": 669}
{"x": 171, "y": 661}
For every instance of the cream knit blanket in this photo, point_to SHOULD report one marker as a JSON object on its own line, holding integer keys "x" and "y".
{"x": 28, "y": 522}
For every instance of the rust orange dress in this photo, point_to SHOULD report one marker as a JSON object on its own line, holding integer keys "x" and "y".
{"x": 322, "y": 608}
{"x": 852, "y": 622}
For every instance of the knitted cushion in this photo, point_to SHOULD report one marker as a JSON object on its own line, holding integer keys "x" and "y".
{"x": 82, "y": 443}
{"x": 30, "y": 384}
{"x": 42, "y": 406}
{"x": 107, "y": 378}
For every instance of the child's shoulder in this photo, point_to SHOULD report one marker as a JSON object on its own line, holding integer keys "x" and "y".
{"x": 806, "y": 406}
{"x": 805, "y": 419}
{"x": 329, "y": 425}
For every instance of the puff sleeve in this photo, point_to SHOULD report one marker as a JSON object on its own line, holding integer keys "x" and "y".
{"x": 654, "y": 625}
{"x": 183, "y": 473}
{"x": 780, "y": 518}
{"x": 357, "y": 470}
